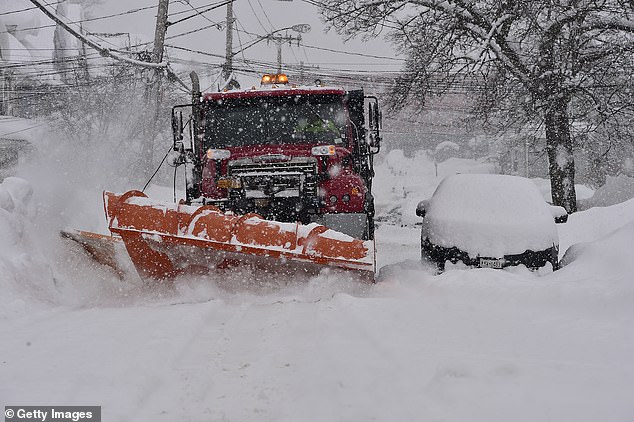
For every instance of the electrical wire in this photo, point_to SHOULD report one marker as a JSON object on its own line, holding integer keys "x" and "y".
{"x": 352, "y": 53}
{"x": 157, "y": 169}
{"x": 240, "y": 43}
{"x": 201, "y": 13}
{"x": 336, "y": 75}
{"x": 23, "y": 10}
{"x": 171, "y": 37}
{"x": 257, "y": 17}
{"x": 266, "y": 15}
{"x": 22, "y": 130}
{"x": 79, "y": 21}
{"x": 69, "y": 22}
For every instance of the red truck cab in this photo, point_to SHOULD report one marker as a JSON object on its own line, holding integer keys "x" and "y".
{"x": 288, "y": 153}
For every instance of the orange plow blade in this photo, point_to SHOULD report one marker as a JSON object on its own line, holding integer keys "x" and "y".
{"x": 167, "y": 240}
{"x": 104, "y": 249}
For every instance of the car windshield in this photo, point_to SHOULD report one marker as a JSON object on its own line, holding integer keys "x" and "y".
{"x": 298, "y": 119}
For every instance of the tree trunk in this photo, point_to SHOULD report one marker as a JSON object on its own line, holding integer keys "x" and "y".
{"x": 561, "y": 164}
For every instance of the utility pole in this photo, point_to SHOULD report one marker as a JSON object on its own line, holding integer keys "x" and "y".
{"x": 103, "y": 51}
{"x": 228, "y": 67}
{"x": 153, "y": 92}
{"x": 279, "y": 56}
{"x": 279, "y": 40}
{"x": 526, "y": 156}
{"x": 159, "y": 33}
{"x": 305, "y": 71}
{"x": 84, "y": 57}
{"x": 4, "y": 101}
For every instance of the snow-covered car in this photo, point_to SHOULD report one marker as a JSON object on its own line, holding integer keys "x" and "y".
{"x": 491, "y": 221}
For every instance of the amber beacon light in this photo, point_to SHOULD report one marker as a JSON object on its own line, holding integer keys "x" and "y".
{"x": 277, "y": 78}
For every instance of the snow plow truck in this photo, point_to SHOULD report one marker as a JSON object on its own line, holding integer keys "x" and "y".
{"x": 277, "y": 177}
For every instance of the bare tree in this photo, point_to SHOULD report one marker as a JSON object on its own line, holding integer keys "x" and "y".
{"x": 106, "y": 119}
{"x": 536, "y": 59}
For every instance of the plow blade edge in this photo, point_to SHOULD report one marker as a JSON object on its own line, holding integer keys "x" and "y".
{"x": 166, "y": 240}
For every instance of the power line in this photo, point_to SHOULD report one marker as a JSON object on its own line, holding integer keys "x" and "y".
{"x": 201, "y": 13}
{"x": 171, "y": 37}
{"x": 23, "y": 10}
{"x": 266, "y": 15}
{"x": 77, "y": 24}
{"x": 352, "y": 53}
{"x": 256, "y": 16}
{"x": 81, "y": 20}
{"x": 17, "y": 11}
{"x": 23, "y": 130}
{"x": 240, "y": 40}
{"x": 204, "y": 53}
{"x": 332, "y": 73}
{"x": 101, "y": 50}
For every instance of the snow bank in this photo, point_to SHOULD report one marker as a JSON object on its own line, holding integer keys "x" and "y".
{"x": 512, "y": 345}
{"x": 468, "y": 345}
{"x": 25, "y": 275}
{"x": 594, "y": 223}
{"x": 601, "y": 265}
{"x": 616, "y": 189}
{"x": 39, "y": 269}
{"x": 489, "y": 215}
{"x": 613, "y": 252}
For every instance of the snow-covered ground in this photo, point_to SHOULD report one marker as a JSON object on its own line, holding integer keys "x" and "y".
{"x": 467, "y": 345}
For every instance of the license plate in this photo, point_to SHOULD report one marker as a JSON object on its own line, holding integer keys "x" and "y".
{"x": 261, "y": 202}
{"x": 491, "y": 263}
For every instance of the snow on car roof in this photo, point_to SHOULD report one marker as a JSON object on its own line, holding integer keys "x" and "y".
{"x": 489, "y": 215}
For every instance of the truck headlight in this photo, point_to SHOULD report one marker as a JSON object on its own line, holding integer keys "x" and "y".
{"x": 229, "y": 183}
{"x": 218, "y": 154}
{"x": 323, "y": 150}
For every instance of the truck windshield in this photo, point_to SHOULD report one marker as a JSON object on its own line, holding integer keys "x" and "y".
{"x": 298, "y": 119}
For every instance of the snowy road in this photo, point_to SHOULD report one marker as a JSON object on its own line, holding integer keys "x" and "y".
{"x": 468, "y": 345}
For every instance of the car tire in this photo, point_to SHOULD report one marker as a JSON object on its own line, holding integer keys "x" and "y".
{"x": 427, "y": 255}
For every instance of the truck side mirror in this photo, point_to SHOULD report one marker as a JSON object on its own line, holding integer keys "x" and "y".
{"x": 177, "y": 130}
{"x": 374, "y": 123}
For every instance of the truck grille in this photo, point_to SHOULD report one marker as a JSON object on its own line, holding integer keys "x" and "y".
{"x": 299, "y": 174}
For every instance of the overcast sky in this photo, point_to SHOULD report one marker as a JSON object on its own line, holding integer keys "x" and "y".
{"x": 253, "y": 17}
{"x": 321, "y": 53}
